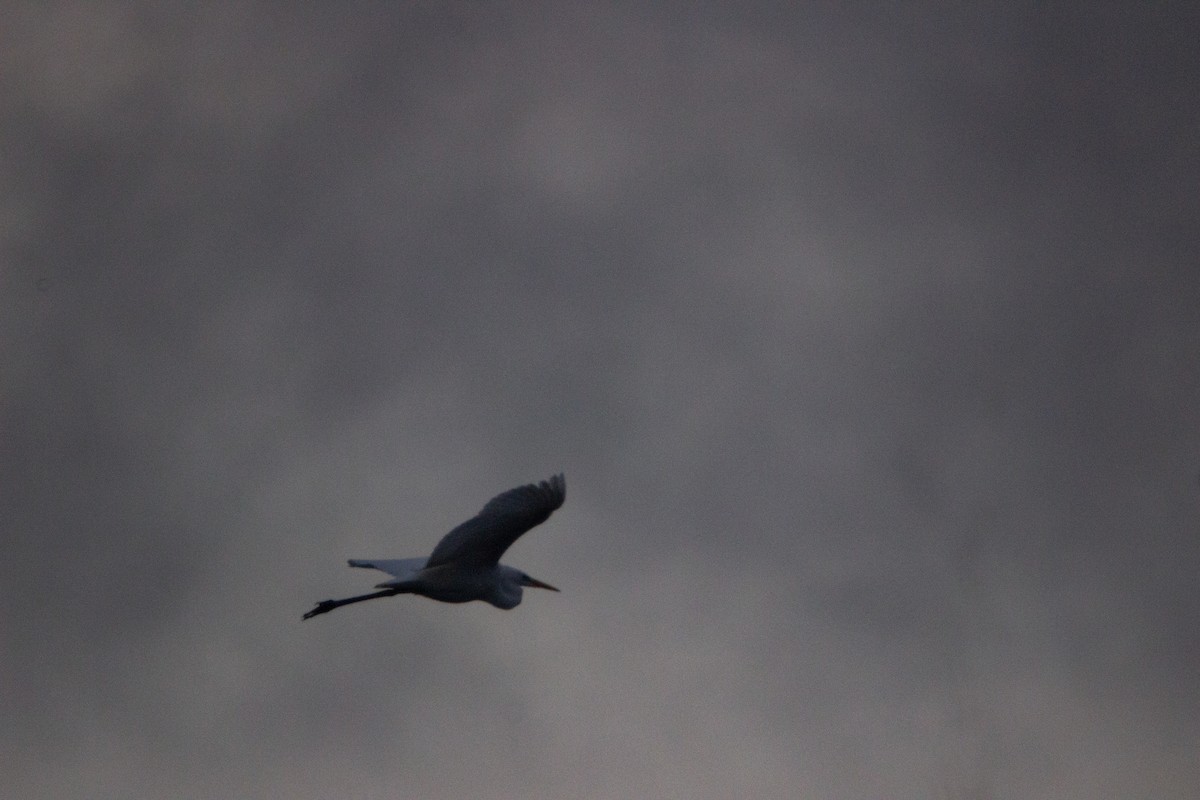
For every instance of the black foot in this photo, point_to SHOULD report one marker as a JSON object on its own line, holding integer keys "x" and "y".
{"x": 322, "y": 607}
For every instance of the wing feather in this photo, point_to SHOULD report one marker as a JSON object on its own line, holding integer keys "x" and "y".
{"x": 481, "y": 540}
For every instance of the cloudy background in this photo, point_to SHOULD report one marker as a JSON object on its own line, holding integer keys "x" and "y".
{"x": 866, "y": 337}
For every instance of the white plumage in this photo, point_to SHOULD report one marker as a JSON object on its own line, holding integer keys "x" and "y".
{"x": 465, "y": 565}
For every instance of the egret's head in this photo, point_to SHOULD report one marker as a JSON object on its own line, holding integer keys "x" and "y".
{"x": 535, "y": 583}
{"x": 506, "y": 591}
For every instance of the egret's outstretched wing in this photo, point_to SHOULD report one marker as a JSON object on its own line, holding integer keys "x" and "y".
{"x": 481, "y": 540}
{"x": 402, "y": 568}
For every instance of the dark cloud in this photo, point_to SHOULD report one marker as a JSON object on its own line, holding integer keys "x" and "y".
{"x": 865, "y": 338}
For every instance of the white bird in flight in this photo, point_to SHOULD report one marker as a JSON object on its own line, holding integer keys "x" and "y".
{"x": 465, "y": 565}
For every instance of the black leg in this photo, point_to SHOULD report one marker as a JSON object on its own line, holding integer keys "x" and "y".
{"x": 329, "y": 605}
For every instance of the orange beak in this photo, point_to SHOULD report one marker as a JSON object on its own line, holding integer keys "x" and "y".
{"x": 535, "y": 583}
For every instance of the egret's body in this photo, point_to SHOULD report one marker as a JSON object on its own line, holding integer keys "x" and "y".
{"x": 465, "y": 565}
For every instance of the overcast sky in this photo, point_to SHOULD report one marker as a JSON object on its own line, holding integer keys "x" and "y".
{"x": 867, "y": 339}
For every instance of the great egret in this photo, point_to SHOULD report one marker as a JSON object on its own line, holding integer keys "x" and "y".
{"x": 465, "y": 565}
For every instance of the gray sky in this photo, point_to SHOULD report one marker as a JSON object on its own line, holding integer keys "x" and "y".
{"x": 867, "y": 340}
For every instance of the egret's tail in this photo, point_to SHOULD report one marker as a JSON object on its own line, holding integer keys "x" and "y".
{"x": 396, "y": 567}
